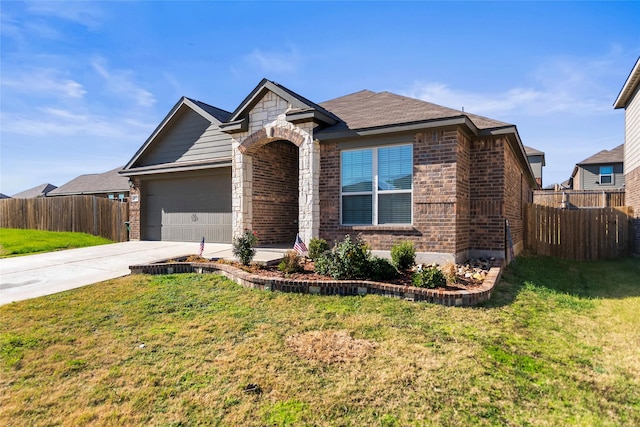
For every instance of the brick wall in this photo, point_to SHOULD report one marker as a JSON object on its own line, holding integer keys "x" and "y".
{"x": 487, "y": 197}
{"x": 632, "y": 198}
{"x": 463, "y": 194}
{"x": 435, "y": 188}
{"x": 516, "y": 195}
{"x": 134, "y": 210}
{"x": 275, "y": 193}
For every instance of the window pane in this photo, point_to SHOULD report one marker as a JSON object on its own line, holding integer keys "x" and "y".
{"x": 394, "y": 208}
{"x": 605, "y": 179}
{"x": 606, "y": 170}
{"x": 357, "y": 171}
{"x": 395, "y": 166}
{"x": 356, "y": 209}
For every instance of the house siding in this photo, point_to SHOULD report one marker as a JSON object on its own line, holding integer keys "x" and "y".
{"x": 191, "y": 138}
{"x": 589, "y": 177}
{"x": 632, "y": 133}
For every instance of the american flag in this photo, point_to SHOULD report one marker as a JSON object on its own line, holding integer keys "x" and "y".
{"x": 299, "y": 245}
{"x": 201, "y": 247}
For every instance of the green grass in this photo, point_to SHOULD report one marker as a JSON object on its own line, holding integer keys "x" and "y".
{"x": 556, "y": 345}
{"x": 15, "y": 241}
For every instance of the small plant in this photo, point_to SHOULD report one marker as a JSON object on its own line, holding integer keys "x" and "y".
{"x": 290, "y": 263}
{"x": 449, "y": 270}
{"x": 381, "y": 269}
{"x": 317, "y": 247}
{"x": 348, "y": 259}
{"x": 429, "y": 277}
{"x": 243, "y": 246}
{"x": 403, "y": 255}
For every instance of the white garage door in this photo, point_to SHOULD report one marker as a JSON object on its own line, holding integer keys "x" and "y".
{"x": 187, "y": 208}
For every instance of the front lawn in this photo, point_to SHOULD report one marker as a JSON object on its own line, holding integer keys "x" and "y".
{"x": 556, "y": 345}
{"x": 14, "y": 241}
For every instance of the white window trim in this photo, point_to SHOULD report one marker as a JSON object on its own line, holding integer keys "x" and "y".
{"x": 374, "y": 186}
{"x": 612, "y": 175}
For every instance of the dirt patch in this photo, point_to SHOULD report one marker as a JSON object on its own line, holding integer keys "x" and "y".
{"x": 329, "y": 346}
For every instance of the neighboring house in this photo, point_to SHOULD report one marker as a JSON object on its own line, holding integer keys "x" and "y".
{"x": 629, "y": 99}
{"x": 536, "y": 161}
{"x": 39, "y": 191}
{"x": 4, "y": 196}
{"x": 602, "y": 171}
{"x": 109, "y": 185}
{"x": 385, "y": 166}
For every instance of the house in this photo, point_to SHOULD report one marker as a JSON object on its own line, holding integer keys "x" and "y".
{"x": 378, "y": 164}
{"x": 629, "y": 99}
{"x": 536, "y": 161}
{"x": 602, "y": 171}
{"x": 4, "y": 196}
{"x": 39, "y": 191}
{"x": 108, "y": 184}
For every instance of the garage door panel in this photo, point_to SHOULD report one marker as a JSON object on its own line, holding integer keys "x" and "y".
{"x": 189, "y": 208}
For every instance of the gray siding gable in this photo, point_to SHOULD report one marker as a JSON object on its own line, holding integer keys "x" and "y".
{"x": 188, "y": 136}
{"x": 590, "y": 177}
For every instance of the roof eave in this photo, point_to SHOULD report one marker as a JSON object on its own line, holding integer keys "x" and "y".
{"x": 184, "y": 167}
{"x": 629, "y": 88}
{"x": 401, "y": 127}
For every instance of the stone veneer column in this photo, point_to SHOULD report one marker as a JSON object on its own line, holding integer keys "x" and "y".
{"x": 309, "y": 190}
{"x": 242, "y": 189}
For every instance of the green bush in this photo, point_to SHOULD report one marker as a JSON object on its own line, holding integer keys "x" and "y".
{"x": 317, "y": 247}
{"x": 381, "y": 269}
{"x": 243, "y": 246}
{"x": 349, "y": 259}
{"x": 429, "y": 278}
{"x": 403, "y": 255}
{"x": 290, "y": 263}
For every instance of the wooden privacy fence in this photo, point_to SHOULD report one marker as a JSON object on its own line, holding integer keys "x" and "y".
{"x": 577, "y": 199}
{"x": 85, "y": 214}
{"x": 584, "y": 234}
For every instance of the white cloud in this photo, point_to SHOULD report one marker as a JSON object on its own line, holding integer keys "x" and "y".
{"x": 559, "y": 85}
{"x": 287, "y": 61}
{"x": 121, "y": 82}
{"x": 44, "y": 83}
{"x": 85, "y": 13}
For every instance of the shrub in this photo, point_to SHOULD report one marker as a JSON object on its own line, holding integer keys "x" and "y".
{"x": 348, "y": 259}
{"x": 381, "y": 269}
{"x": 317, "y": 247}
{"x": 243, "y": 246}
{"x": 449, "y": 270}
{"x": 429, "y": 277}
{"x": 403, "y": 255}
{"x": 290, "y": 263}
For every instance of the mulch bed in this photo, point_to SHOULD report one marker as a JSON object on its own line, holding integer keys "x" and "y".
{"x": 308, "y": 273}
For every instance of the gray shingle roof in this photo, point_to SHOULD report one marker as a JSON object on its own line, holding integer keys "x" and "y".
{"x": 39, "y": 191}
{"x": 216, "y": 112}
{"x": 533, "y": 152}
{"x": 96, "y": 183}
{"x": 615, "y": 155}
{"x": 367, "y": 109}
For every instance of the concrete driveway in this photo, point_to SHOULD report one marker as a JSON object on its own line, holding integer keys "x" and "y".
{"x": 49, "y": 273}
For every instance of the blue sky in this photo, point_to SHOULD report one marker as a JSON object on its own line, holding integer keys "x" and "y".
{"x": 83, "y": 84}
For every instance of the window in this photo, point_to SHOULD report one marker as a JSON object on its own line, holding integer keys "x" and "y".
{"x": 377, "y": 185}
{"x": 606, "y": 175}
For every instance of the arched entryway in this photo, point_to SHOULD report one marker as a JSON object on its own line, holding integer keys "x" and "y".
{"x": 275, "y": 192}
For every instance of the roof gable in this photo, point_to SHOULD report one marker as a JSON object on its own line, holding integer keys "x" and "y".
{"x": 209, "y": 114}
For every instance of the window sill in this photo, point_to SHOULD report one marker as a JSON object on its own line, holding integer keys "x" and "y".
{"x": 377, "y": 228}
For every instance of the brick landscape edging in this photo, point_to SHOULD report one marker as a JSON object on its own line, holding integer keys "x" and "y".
{"x": 460, "y": 297}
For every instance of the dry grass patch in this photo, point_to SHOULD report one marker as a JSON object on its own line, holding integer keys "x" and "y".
{"x": 329, "y": 346}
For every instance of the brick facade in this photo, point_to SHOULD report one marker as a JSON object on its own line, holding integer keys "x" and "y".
{"x": 275, "y": 193}
{"x": 463, "y": 190}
